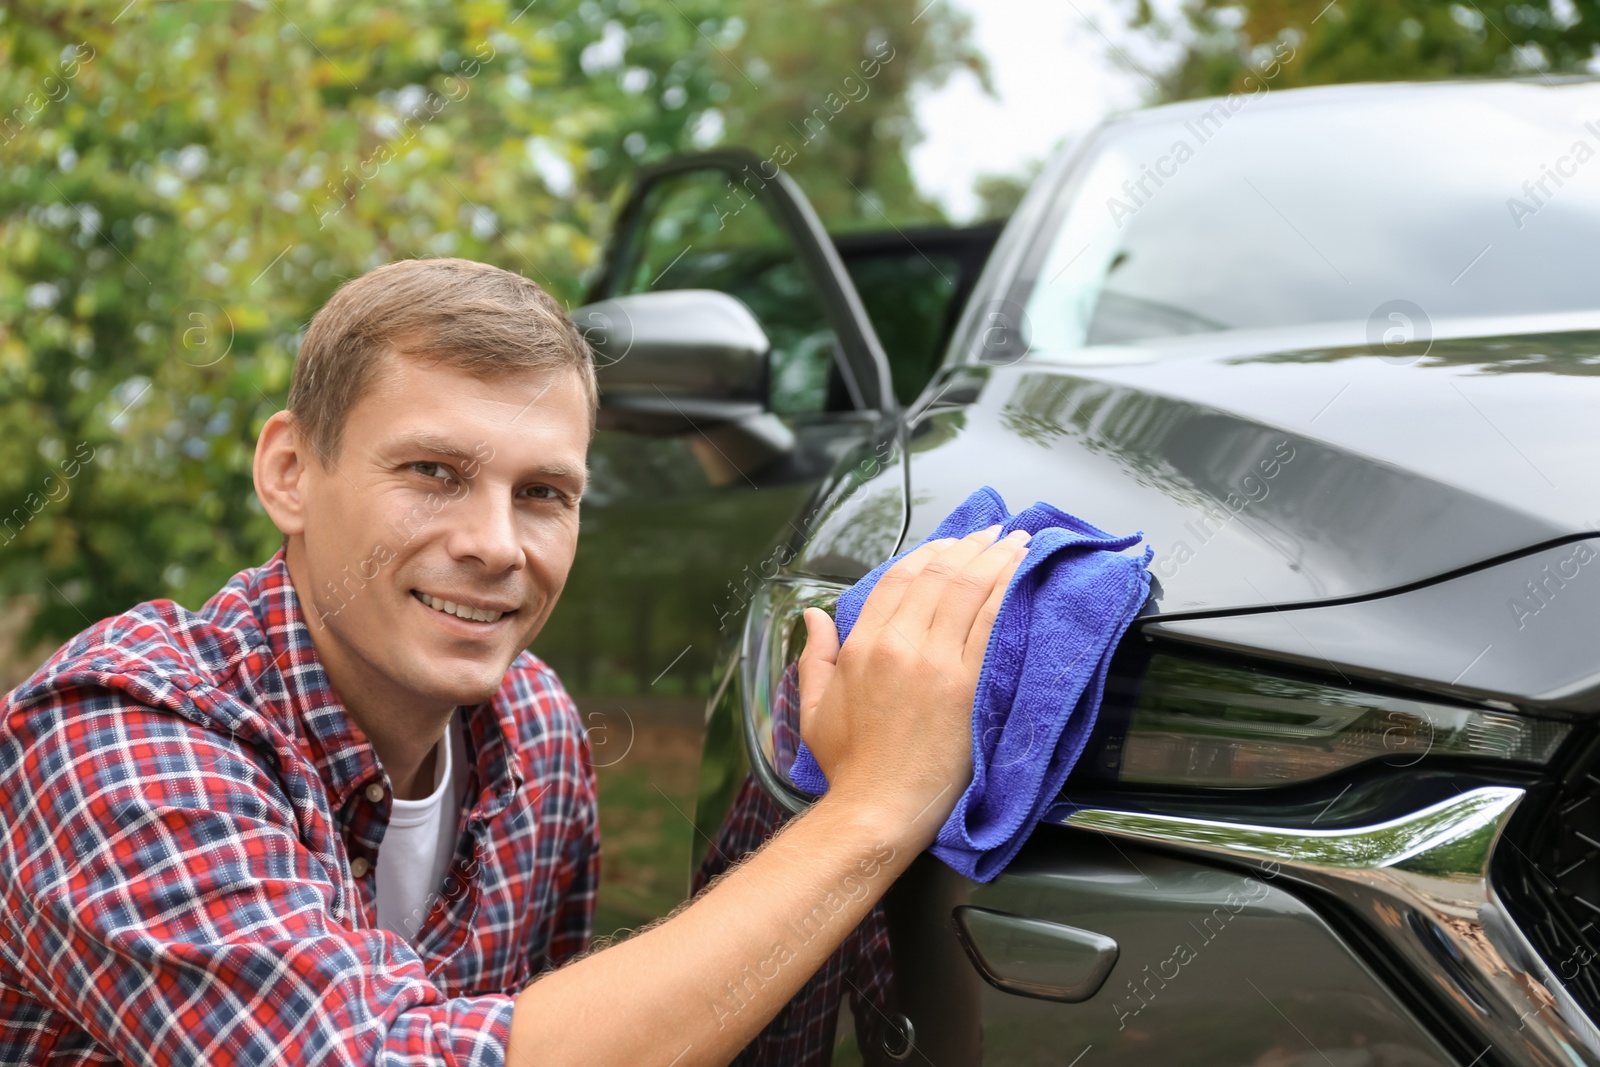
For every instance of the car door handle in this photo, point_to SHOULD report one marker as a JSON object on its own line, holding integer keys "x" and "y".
{"x": 1035, "y": 957}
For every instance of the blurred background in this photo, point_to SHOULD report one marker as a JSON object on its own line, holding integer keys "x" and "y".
{"x": 183, "y": 184}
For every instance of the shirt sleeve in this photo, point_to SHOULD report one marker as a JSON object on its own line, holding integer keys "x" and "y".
{"x": 160, "y": 895}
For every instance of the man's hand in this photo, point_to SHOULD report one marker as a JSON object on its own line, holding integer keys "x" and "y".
{"x": 889, "y": 718}
{"x": 890, "y": 721}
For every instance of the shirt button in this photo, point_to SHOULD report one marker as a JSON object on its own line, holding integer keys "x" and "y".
{"x": 359, "y": 866}
{"x": 375, "y": 792}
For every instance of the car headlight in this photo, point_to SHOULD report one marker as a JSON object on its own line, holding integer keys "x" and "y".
{"x": 1188, "y": 721}
{"x": 1175, "y": 720}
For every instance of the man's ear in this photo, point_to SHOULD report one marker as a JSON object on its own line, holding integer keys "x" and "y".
{"x": 282, "y": 454}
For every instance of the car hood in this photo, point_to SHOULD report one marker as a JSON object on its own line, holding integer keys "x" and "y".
{"x": 1268, "y": 469}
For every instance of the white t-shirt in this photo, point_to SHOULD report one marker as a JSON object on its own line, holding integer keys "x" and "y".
{"x": 420, "y": 841}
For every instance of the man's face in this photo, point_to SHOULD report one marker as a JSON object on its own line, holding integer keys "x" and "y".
{"x": 450, "y": 496}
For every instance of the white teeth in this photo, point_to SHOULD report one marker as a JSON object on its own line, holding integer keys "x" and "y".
{"x": 461, "y": 611}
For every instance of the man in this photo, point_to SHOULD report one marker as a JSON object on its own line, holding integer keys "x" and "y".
{"x": 340, "y": 815}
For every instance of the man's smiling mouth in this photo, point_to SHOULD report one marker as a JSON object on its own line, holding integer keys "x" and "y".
{"x": 460, "y": 611}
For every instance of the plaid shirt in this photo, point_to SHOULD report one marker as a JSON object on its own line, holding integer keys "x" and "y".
{"x": 184, "y": 807}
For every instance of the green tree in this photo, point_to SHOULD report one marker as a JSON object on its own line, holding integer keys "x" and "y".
{"x": 1218, "y": 43}
{"x": 830, "y": 81}
{"x": 700, "y": 73}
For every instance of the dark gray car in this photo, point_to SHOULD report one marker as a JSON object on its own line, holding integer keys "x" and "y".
{"x": 1335, "y": 352}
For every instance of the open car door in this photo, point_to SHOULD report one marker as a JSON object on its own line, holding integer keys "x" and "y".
{"x": 736, "y": 365}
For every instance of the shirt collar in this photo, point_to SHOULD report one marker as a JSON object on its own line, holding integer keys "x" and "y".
{"x": 339, "y": 748}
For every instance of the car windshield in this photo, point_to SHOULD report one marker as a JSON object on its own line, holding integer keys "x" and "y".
{"x": 1369, "y": 205}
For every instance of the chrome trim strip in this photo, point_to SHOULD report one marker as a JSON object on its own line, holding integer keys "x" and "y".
{"x": 1422, "y": 882}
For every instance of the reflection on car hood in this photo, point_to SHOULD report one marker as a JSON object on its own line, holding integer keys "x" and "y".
{"x": 1270, "y": 476}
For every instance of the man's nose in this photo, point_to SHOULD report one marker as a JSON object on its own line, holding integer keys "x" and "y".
{"x": 484, "y": 528}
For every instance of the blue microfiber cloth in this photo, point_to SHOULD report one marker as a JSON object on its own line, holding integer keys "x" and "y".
{"x": 1068, "y": 605}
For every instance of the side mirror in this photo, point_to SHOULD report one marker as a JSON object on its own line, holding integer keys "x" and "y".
{"x": 686, "y": 361}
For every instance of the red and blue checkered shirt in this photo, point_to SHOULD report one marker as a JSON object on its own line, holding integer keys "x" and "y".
{"x": 183, "y": 805}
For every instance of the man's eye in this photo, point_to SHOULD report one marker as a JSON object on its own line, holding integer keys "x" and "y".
{"x": 544, "y": 492}
{"x": 432, "y": 470}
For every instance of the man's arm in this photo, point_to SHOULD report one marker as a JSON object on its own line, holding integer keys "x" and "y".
{"x": 889, "y": 719}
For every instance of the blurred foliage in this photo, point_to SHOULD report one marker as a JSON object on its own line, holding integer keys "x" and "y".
{"x": 1219, "y": 43}
{"x": 840, "y": 74}
{"x": 184, "y": 184}
{"x": 999, "y": 194}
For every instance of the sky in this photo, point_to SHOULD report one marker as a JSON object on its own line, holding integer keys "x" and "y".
{"x": 1053, "y": 79}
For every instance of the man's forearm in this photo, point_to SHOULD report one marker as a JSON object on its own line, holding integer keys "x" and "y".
{"x": 698, "y": 989}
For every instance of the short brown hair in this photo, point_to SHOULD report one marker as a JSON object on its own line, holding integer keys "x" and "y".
{"x": 482, "y": 319}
